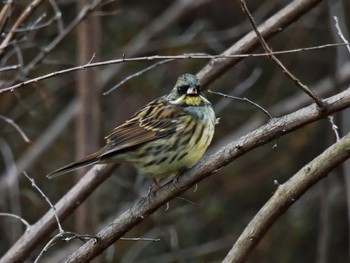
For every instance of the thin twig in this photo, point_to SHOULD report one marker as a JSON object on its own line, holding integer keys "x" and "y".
{"x": 243, "y": 99}
{"x": 8, "y": 68}
{"x": 140, "y": 239}
{"x": 46, "y": 50}
{"x": 58, "y": 15}
{"x": 68, "y": 236}
{"x": 143, "y": 208}
{"x": 46, "y": 199}
{"x": 35, "y": 26}
{"x": 300, "y": 85}
{"x": 334, "y": 127}
{"x": 239, "y": 89}
{"x": 25, "y": 14}
{"x": 5, "y": 14}
{"x": 340, "y": 33}
{"x": 138, "y": 73}
{"x": 13, "y": 124}
{"x": 285, "y": 196}
{"x": 17, "y": 217}
{"x": 157, "y": 57}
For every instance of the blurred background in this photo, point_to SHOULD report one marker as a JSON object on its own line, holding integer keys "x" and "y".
{"x": 67, "y": 116}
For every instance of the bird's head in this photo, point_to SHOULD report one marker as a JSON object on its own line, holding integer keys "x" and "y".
{"x": 187, "y": 92}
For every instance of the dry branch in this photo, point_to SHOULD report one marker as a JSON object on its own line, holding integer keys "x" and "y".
{"x": 284, "y": 70}
{"x": 25, "y": 14}
{"x": 286, "y": 195}
{"x": 275, "y": 24}
{"x": 146, "y": 206}
{"x": 274, "y": 129}
{"x": 43, "y": 227}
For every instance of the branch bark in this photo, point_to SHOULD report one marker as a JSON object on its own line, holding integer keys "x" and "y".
{"x": 69, "y": 202}
{"x": 37, "y": 232}
{"x": 275, "y": 24}
{"x": 208, "y": 166}
{"x": 286, "y": 195}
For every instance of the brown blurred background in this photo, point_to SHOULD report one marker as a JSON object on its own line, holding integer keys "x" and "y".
{"x": 315, "y": 228}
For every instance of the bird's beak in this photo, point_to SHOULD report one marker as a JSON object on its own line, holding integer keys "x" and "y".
{"x": 192, "y": 91}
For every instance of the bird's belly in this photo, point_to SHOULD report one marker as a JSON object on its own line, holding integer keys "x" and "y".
{"x": 175, "y": 155}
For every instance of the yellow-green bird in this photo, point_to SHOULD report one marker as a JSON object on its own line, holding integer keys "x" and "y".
{"x": 164, "y": 137}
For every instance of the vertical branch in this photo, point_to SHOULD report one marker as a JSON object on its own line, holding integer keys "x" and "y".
{"x": 5, "y": 14}
{"x": 276, "y": 60}
{"x": 88, "y": 118}
{"x": 337, "y": 16}
{"x": 26, "y": 13}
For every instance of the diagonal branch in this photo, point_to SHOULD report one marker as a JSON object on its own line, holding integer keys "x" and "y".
{"x": 205, "y": 168}
{"x": 286, "y": 195}
{"x": 68, "y": 203}
{"x": 276, "y": 60}
{"x": 275, "y": 24}
{"x": 46, "y": 225}
{"x": 26, "y": 13}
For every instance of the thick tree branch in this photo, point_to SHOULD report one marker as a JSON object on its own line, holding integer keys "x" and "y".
{"x": 218, "y": 64}
{"x": 37, "y": 232}
{"x": 216, "y": 67}
{"x": 286, "y": 195}
{"x": 274, "y": 129}
{"x": 284, "y": 70}
{"x": 209, "y": 165}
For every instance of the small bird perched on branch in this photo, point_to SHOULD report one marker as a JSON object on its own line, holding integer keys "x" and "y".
{"x": 164, "y": 137}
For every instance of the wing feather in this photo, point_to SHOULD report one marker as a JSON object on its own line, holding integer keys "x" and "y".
{"x": 156, "y": 120}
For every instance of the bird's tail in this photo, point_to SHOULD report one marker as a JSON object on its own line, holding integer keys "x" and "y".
{"x": 88, "y": 160}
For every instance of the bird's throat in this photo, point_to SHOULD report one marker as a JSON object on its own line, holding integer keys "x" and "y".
{"x": 189, "y": 100}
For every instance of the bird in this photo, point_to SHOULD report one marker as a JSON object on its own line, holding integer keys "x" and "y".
{"x": 165, "y": 137}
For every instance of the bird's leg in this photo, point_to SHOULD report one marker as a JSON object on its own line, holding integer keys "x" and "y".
{"x": 176, "y": 177}
{"x": 154, "y": 187}
{"x": 174, "y": 181}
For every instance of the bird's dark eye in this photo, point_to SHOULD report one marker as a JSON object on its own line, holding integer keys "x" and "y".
{"x": 183, "y": 89}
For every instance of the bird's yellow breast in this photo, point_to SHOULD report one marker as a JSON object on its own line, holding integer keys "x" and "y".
{"x": 189, "y": 100}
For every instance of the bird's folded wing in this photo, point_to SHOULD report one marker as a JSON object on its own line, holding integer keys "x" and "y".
{"x": 150, "y": 123}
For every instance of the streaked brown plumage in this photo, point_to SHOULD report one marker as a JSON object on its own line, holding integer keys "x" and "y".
{"x": 167, "y": 135}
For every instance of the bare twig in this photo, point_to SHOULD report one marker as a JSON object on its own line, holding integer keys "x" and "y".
{"x": 13, "y": 124}
{"x": 8, "y": 68}
{"x": 39, "y": 230}
{"x": 286, "y": 195}
{"x": 17, "y": 217}
{"x": 46, "y": 50}
{"x": 239, "y": 89}
{"x": 272, "y": 26}
{"x": 337, "y": 8}
{"x": 36, "y": 25}
{"x": 205, "y": 168}
{"x": 243, "y": 99}
{"x": 25, "y": 14}
{"x": 67, "y": 236}
{"x": 58, "y": 15}
{"x": 277, "y": 61}
{"x": 151, "y": 58}
{"x": 140, "y": 239}
{"x": 137, "y": 74}
{"x": 275, "y": 128}
{"x": 30, "y": 156}
{"x": 5, "y": 14}
{"x": 334, "y": 127}
{"x": 46, "y": 199}
{"x": 340, "y": 33}
{"x": 145, "y": 70}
